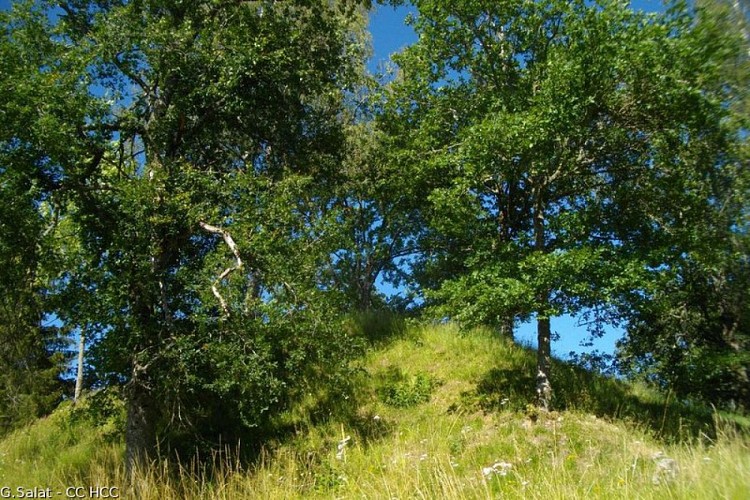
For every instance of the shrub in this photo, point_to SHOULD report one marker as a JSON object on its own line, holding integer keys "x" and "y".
{"x": 403, "y": 391}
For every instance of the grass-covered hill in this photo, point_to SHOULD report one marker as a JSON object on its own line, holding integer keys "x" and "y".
{"x": 436, "y": 414}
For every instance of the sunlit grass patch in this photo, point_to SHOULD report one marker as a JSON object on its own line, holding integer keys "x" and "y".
{"x": 472, "y": 435}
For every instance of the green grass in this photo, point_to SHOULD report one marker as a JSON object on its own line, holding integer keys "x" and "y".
{"x": 436, "y": 414}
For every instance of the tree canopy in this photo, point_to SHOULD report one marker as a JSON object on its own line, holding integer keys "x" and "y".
{"x": 205, "y": 189}
{"x": 561, "y": 141}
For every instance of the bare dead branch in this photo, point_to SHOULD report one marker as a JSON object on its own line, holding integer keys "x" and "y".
{"x": 238, "y": 262}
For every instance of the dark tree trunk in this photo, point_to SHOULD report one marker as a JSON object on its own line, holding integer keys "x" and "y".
{"x": 140, "y": 432}
{"x": 364, "y": 293}
{"x": 507, "y": 327}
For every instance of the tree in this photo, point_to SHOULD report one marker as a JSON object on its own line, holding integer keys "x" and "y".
{"x": 31, "y": 350}
{"x": 376, "y": 219}
{"x": 538, "y": 124}
{"x": 189, "y": 159}
{"x": 32, "y": 358}
{"x": 688, "y": 317}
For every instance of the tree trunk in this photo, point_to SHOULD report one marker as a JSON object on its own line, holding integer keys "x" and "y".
{"x": 543, "y": 359}
{"x": 79, "y": 374}
{"x": 140, "y": 432}
{"x": 364, "y": 301}
{"x": 543, "y": 363}
{"x": 507, "y": 327}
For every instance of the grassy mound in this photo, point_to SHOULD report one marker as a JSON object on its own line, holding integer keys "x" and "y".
{"x": 436, "y": 414}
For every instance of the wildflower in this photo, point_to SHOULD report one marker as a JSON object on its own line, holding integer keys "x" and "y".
{"x": 376, "y": 418}
{"x": 499, "y": 468}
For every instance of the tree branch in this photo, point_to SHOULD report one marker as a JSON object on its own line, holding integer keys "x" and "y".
{"x": 238, "y": 261}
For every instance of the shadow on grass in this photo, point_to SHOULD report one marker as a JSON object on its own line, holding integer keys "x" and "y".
{"x": 576, "y": 388}
{"x": 319, "y": 401}
{"x": 252, "y": 448}
{"x": 377, "y": 328}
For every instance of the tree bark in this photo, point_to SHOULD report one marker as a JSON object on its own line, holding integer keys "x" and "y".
{"x": 79, "y": 374}
{"x": 507, "y": 326}
{"x": 543, "y": 363}
{"x": 544, "y": 357}
{"x": 238, "y": 262}
{"x": 140, "y": 432}
{"x": 364, "y": 292}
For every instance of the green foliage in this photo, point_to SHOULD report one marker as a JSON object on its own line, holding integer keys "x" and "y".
{"x": 691, "y": 334}
{"x": 533, "y": 127}
{"x": 205, "y": 188}
{"x": 403, "y": 391}
{"x": 183, "y": 150}
{"x": 688, "y": 315}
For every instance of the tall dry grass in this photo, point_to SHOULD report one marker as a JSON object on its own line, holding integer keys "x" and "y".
{"x": 475, "y": 437}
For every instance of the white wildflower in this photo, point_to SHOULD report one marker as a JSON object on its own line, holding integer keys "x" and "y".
{"x": 498, "y": 468}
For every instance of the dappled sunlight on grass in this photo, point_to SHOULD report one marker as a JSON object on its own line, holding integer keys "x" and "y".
{"x": 470, "y": 433}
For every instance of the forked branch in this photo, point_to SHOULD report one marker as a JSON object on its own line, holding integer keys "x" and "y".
{"x": 238, "y": 262}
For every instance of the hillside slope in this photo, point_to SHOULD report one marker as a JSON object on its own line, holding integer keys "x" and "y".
{"x": 436, "y": 414}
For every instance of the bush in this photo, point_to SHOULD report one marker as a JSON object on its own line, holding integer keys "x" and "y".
{"x": 402, "y": 391}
